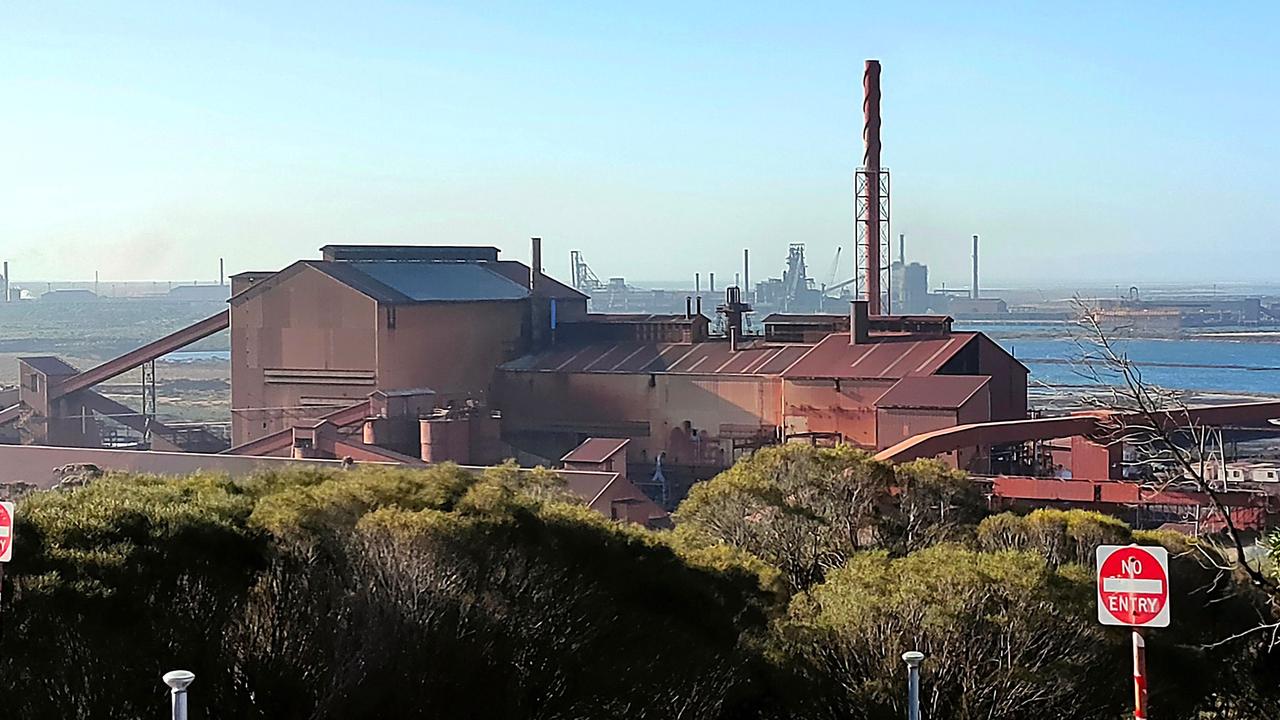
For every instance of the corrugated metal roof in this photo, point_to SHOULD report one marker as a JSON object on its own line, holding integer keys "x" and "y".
{"x": 932, "y": 391}
{"x": 49, "y": 365}
{"x": 708, "y": 358}
{"x": 886, "y": 357}
{"x": 595, "y": 450}
{"x": 440, "y": 282}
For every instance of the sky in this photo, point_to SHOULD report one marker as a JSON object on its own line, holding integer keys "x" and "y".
{"x": 1085, "y": 142}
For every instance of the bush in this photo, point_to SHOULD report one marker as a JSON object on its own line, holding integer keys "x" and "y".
{"x": 368, "y": 593}
{"x": 1005, "y": 635}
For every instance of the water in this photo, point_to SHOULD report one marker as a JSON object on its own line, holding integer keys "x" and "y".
{"x": 1194, "y": 364}
{"x": 190, "y": 356}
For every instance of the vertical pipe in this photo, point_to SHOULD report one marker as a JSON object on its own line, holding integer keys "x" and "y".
{"x": 222, "y": 272}
{"x": 6, "y": 281}
{"x": 688, "y": 307}
{"x": 871, "y": 166}
{"x": 698, "y": 300}
{"x": 746, "y": 271}
{"x": 902, "y": 248}
{"x": 711, "y": 282}
{"x": 535, "y": 263}
{"x": 697, "y": 284}
{"x": 913, "y": 660}
{"x": 975, "y": 267}
{"x": 1139, "y": 676}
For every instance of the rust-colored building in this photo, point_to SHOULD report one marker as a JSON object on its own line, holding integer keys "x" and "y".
{"x": 324, "y": 334}
{"x": 698, "y": 406}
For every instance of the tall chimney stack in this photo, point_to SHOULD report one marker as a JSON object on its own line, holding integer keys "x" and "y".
{"x": 871, "y": 170}
{"x": 711, "y": 281}
{"x": 746, "y": 272}
{"x": 975, "y": 268}
{"x": 5, "y": 297}
{"x": 902, "y": 248}
{"x": 697, "y": 284}
{"x": 535, "y": 264}
{"x": 222, "y": 272}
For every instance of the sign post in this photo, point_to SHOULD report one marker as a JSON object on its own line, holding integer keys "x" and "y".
{"x": 1133, "y": 592}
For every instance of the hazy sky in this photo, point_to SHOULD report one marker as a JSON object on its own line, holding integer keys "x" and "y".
{"x": 1121, "y": 142}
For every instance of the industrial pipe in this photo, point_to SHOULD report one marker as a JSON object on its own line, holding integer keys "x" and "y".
{"x": 871, "y": 167}
{"x": 975, "y": 267}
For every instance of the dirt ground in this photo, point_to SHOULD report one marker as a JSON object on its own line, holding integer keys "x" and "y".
{"x": 86, "y": 335}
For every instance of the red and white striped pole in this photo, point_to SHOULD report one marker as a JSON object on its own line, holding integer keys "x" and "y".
{"x": 1139, "y": 676}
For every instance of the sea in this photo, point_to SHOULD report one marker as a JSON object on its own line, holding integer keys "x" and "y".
{"x": 1229, "y": 361}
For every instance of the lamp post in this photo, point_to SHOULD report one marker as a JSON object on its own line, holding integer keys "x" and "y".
{"x": 913, "y": 660}
{"x": 178, "y": 680}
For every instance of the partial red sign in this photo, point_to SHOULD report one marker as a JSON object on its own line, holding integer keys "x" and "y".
{"x": 1133, "y": 586}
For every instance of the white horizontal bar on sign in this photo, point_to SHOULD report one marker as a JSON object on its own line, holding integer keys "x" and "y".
{"x": 1138, "y": 586}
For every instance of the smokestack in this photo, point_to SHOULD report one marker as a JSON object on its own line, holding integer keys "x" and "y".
{"x": 871, "y": 168}
{"x": 222, "y": 272}
{"x": 688, "y": 307}
{"x": 859, "y": 322}
{"x": 697, "y": 285}
{"x": 902, "y": 249}
{"x": 535, "y": 263}
{"x": 974, "y": 294}
{"x": 746, "y": 271}
{"x": 698, "y": 300}
{"x": 711, "y": 281}
{"x": 6, "y": 281}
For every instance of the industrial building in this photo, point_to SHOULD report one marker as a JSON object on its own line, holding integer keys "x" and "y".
{"x": 699, "y": 406}
{"x": 424, "y": 354}
{"x": 320, "y": 335}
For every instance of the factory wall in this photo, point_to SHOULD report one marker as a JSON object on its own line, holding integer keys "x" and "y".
{"x": 1008, "y": 384}
{"x": 826, "y": 405}
{"x": 893, "y": 425}
{"x": 692, "y": 418}
{"x": 306, "y": 341}
{"x": 451, "y": 348}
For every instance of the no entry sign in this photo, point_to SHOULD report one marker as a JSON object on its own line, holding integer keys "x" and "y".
{"x": 6, "y": 531}
{"x": 1133, "y": 586}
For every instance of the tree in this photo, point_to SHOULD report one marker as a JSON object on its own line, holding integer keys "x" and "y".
{"x": 1170, "y": 445}
{"x": 1193, "y": 673}
{"x": 367, "y": 593}
{"x": 806, "y": 510}
{"x": 116, "y": 582}
{"x": 1006, "y": 636}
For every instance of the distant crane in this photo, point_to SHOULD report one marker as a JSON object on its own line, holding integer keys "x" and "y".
{"x": 835, "y": 268}
{"x": 583, "y": 279}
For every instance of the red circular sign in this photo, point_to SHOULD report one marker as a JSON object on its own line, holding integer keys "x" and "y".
{"x": 1133, "y": 586}
{"x": 6, "y": 530}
